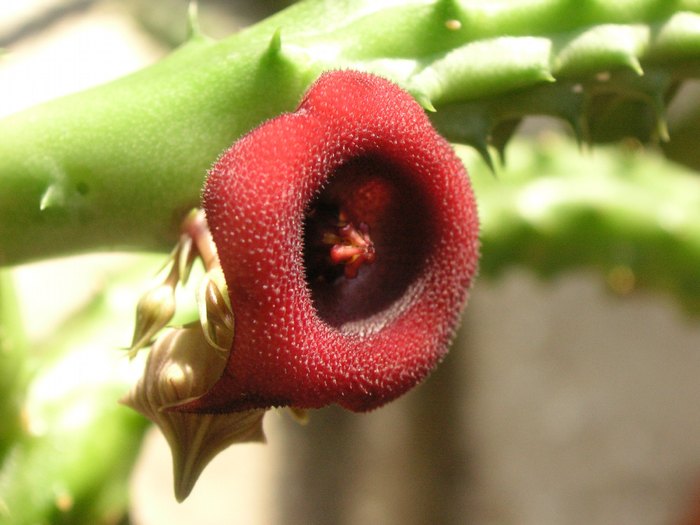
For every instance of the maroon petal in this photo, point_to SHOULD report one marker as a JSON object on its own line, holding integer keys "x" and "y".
{"x": 347, "y": 232}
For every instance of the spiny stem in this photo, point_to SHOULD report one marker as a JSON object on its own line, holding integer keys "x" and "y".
{"x": 118, "y": 166}
{"x": 631, "y": 216}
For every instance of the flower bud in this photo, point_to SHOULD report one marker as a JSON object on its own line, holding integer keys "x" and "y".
{"x": 181, "y": 366}
{"x": 154, "y": 311}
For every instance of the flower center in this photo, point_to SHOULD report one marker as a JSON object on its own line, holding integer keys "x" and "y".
{"x": 338, "y": 246}
{"x": 350, "y": 245}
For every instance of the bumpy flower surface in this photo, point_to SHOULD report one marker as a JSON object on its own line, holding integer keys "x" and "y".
{"x": 348, "y": 235}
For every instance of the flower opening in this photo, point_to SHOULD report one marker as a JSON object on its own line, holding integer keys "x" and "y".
{"x": 347, "y": 233}
{"x": 370, "y": 198}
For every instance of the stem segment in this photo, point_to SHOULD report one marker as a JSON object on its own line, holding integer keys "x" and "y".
{"x": 118, "y": 166}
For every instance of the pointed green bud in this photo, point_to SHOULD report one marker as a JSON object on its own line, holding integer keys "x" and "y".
{"x": 154, "y": 311}
{"x": 215, "y": 313}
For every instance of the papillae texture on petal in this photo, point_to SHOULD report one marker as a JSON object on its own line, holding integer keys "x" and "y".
{"x": 359, "y": 144}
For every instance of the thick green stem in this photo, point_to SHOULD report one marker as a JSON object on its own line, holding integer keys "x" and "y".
{"x": 119, "y": 165}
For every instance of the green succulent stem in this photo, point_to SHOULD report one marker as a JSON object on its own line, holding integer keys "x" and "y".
{"x": 13, "y": 363}
{"x": 630, "y": 215}
{"x": 119, "y": 165}
{"x": 69, "y": 458}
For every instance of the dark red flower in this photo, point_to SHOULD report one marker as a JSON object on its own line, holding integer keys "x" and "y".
{"x": 347, "y": 233}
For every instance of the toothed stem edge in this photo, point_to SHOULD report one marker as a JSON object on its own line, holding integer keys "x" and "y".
{"x": 133, "y": 153}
